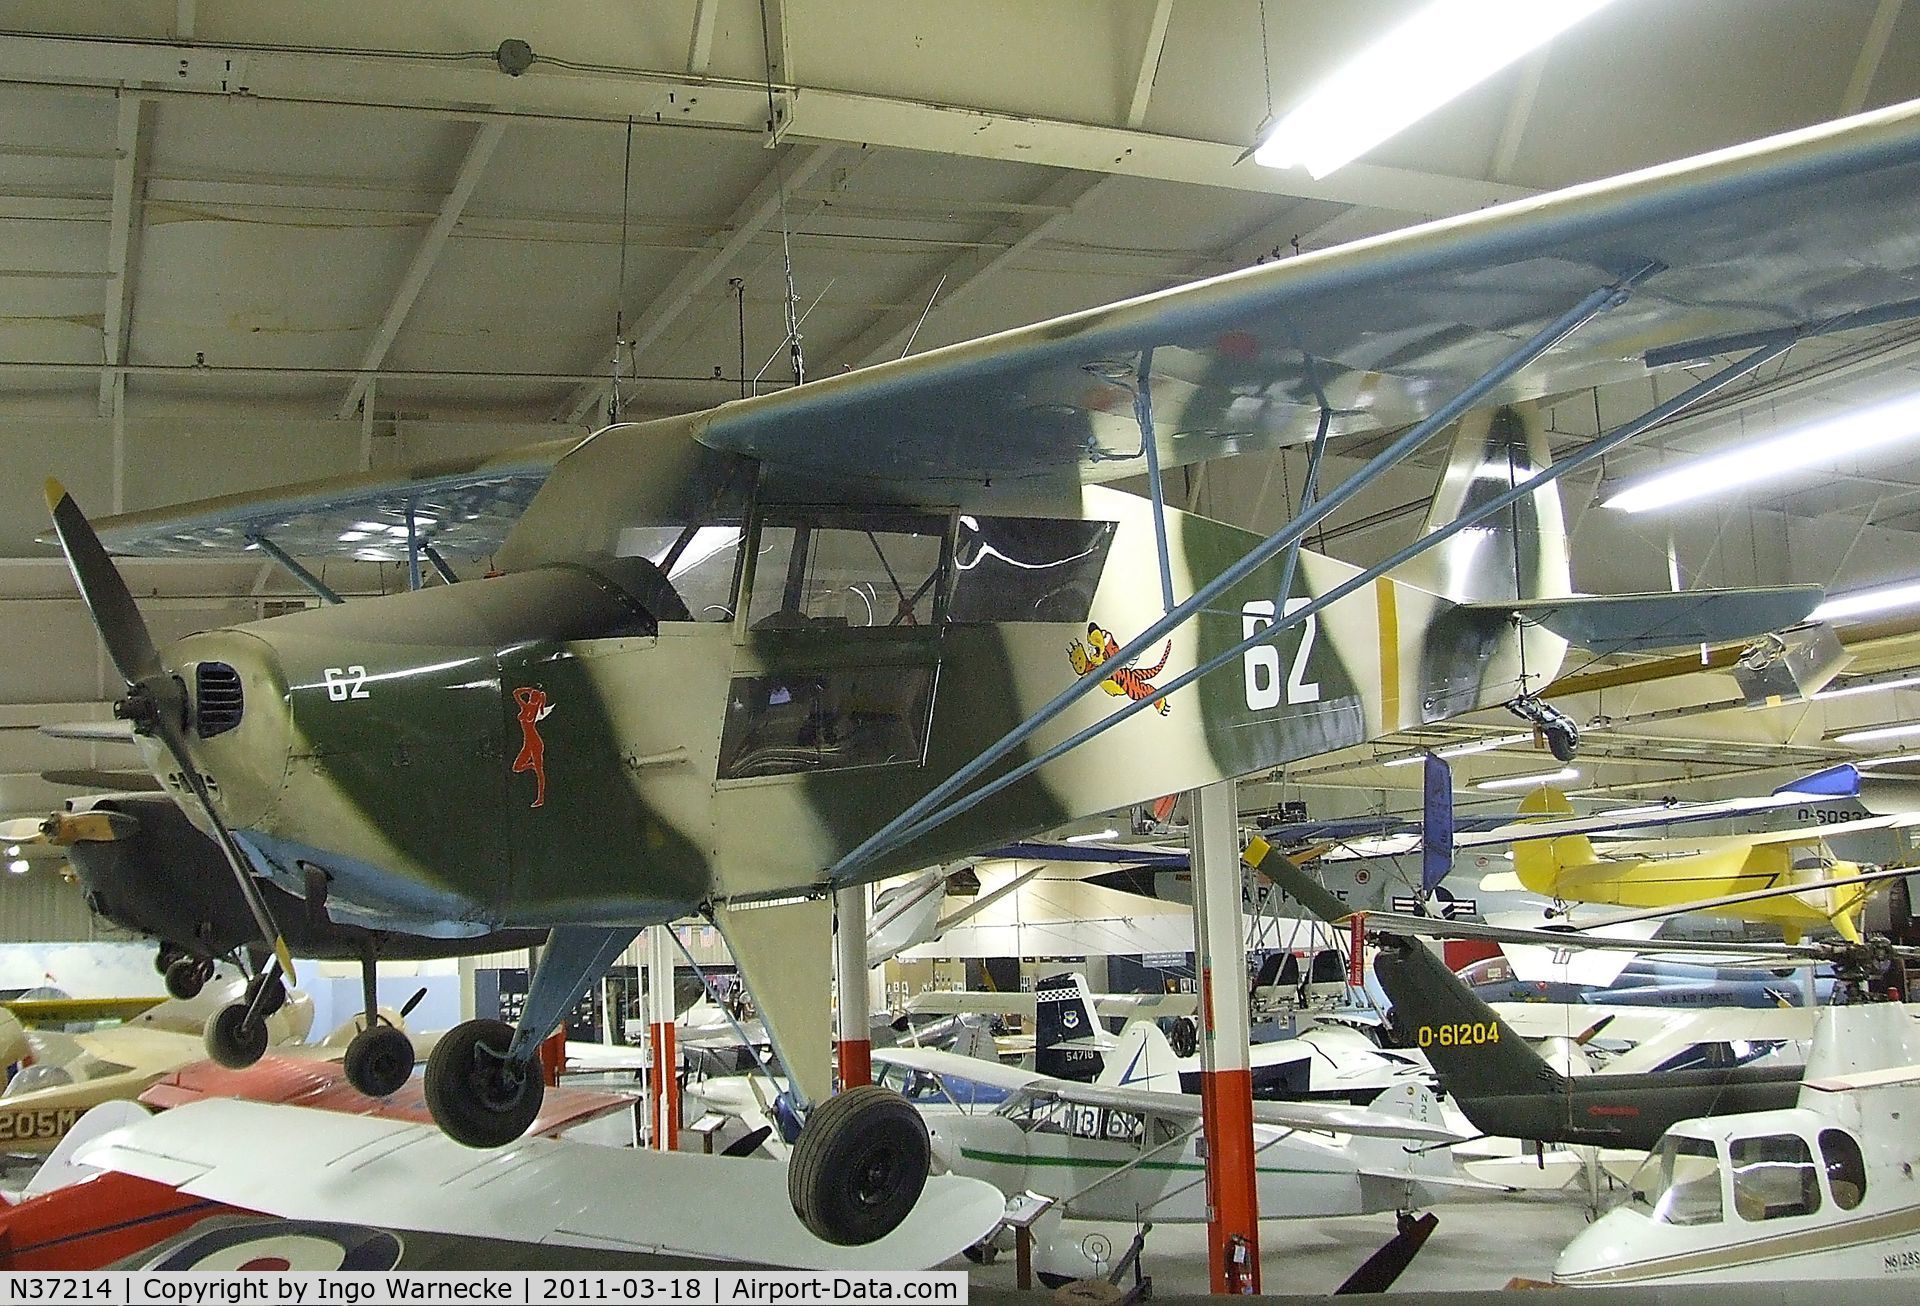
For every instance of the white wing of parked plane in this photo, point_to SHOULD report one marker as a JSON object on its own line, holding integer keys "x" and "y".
{"x": 538, "y": 1190}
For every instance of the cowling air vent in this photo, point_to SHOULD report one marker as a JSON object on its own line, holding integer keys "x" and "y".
{"x": 217, "y": 699}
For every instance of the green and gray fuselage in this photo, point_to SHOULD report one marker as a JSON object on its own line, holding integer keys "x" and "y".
{"x": 700, "y": 679}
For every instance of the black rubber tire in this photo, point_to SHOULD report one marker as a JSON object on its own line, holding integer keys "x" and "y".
{"x": 275, "y": 997}
{"x": 165, "y": 957}
{"x": 185, "y": 978}
{"x": 472, "y": 1098}
{"x": 1183, "y": 1036}
{"x": 233, "y": 1040}
{"x": 1561, "y": 742}
{"x": 379, "y": 1061}
{"x": 859, "y": 1165}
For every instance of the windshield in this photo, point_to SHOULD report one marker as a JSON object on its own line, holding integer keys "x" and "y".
{"x": 1679, "y": 1183}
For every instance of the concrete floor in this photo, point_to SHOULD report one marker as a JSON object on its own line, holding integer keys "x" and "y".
{"x": 1477, "y": 1246}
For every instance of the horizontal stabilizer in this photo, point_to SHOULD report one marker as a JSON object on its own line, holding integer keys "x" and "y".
{"x": 1633, "y": 623}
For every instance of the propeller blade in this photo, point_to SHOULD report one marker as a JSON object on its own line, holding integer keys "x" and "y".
{"x": 419, "y": 996}
{"x": 111, "y": 604}
{"x": 176, "y": 744}
{"x": 151, "y": 684}
{"x": 1592, "y": 1031}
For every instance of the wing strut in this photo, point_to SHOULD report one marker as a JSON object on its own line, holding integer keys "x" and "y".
{"x": 926, "y": 812}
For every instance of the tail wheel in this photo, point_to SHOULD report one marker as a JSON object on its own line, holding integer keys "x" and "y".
{"x": 475, "y": 1095}
{"x": 233, "y": 1040}
{"x": 185, "y": 978}
{"x": 163, "y": 959}
{"x": 1183, "y": 1037}
{"x": 379, "y": 1060}
{"x": 859, "y": 1165}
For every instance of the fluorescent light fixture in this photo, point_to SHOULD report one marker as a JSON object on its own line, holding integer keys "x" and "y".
{"x": 1861, "y": 603}
{"x": 1873, "y": 733}
{"x": 1444, "y": 50}
{"x": 1851, "y": 691}
{"x": 18, "y": 866}
{"x": 13, "y": 850}
{"x": 1522, "y": 781}
{"x": 1817, "y": 444}
{"x": 1095, "y": 837}
{"x": 1467, "y": 750}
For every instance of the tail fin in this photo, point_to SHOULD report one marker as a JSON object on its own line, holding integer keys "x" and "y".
{"x": 1519, "y": 553}
{"x": 1067, "y": 1039}
{"x": 1476, "y": 1055}
{"x": 1538, "y": 862}
{"x": 1142, "y": 1058}
{"x": 975, "y": 1039}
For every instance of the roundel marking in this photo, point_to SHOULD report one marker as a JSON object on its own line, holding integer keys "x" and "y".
{"x": 270, "y": 1245}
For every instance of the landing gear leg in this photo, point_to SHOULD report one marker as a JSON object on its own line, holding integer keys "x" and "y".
{"x": 186, "y": 976}
{"x": 380, "y": 1057}
{"x": 236, "y": 1036}
{"x": 483, "y": 1081}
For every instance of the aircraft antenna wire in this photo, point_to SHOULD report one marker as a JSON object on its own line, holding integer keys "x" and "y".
{"x": 620, "y": 293}
{"x": 794, "y": 348}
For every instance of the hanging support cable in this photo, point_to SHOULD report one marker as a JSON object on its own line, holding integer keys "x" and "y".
{"x": 1595, "y": 303}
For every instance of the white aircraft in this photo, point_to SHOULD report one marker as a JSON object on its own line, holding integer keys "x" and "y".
{"x": 536, "y": 1191}
{"x": 1110, "y": 1153}
{"x": 1329, "y": 1062}
{"x": 1822, "y": 1191}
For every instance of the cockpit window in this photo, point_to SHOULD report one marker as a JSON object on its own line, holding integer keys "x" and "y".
{"x": 1027, "y": 568}
{"x": 1846, "y": 1170}
{"x": 697, "y": 548}
{"x": 1774, "y": 1177}
{"x": 848, "y": 570}
{"x": 1680, "y": 1182}
{"x": 699, "y": 560}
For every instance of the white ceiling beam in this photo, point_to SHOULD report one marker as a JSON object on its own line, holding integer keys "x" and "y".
{"x": 1149, "y": 63}
{"x": 1872, "y": 51}
{"x": 886, "y": 336}
{"x": 700, "y": 48}
{"x": 475, "y": 90}
{"x": 1507, "y": 149}
{"x": 791, "y": 171}
{"x": 479, "y": 150}
{"x": 1085, "y": 147}
{"x": 121, "y": 242}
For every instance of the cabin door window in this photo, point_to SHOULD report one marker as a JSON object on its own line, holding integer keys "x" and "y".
{"x": 1774, "y": 1177}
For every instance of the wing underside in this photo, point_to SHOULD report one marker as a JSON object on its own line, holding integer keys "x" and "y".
{"x": 1802, "y": 231}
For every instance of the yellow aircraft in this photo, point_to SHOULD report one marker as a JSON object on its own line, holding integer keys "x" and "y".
{"x": 1568, "y": 868}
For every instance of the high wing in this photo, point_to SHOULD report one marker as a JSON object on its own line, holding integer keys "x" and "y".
{"x": 537, "y": 1190}
{"x": 1801, "y": 231}
{"x": 462, "y": 508}
{"x": 55, "y": 1011}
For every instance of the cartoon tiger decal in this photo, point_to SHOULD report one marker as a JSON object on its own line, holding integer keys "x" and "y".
{"x": 1134, "y": 682}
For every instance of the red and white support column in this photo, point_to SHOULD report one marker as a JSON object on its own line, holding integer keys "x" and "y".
{"x": 853, "y": 1029}
{"x": 663, "y": 1081}
{"x": 1226, "y": 1080}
